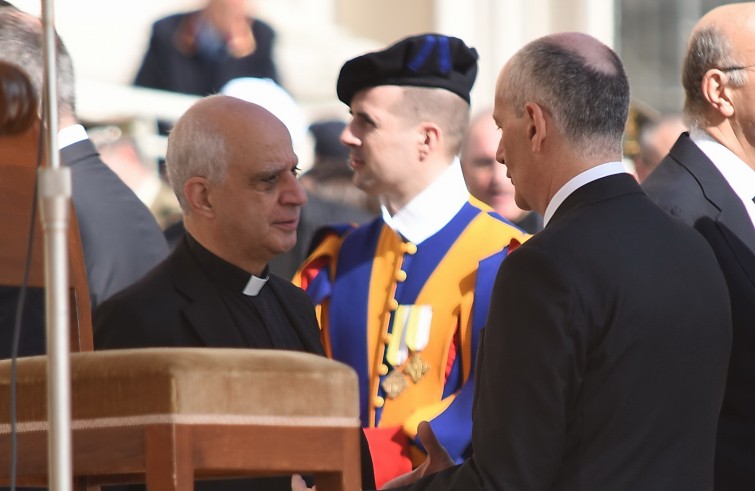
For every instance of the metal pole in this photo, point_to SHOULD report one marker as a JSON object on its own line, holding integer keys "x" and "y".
{"x": 55, "y": 194}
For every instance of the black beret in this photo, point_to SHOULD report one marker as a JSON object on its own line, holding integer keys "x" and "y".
{"x": 425, "y": 60}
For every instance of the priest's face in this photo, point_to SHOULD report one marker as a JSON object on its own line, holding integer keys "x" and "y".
{"x": 256, "y": 205}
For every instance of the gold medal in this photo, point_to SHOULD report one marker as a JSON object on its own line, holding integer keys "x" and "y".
{"x": 394, "y": 384}
{"x": 416, "y": 368}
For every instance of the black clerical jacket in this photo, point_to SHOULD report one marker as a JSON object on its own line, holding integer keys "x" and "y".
{"x": 177, "y": 304}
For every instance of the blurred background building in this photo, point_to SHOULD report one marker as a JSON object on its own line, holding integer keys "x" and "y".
{"x": 314, "y": 37}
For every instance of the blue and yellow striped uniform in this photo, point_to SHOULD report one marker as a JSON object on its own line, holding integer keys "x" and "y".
{"x": 359, "y": 278}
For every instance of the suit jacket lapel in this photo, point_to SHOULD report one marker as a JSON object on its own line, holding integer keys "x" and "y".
{"x": 205, "y": 311}
{"x": 307, "y": 331}
{"x": 732, "y": 221}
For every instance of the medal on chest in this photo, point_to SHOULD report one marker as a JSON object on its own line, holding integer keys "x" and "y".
{"x": 410, "y": 334}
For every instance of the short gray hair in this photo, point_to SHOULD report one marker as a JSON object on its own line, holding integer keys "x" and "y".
{"x": 589, "y": 104}
{"x": 21, "y": 45}
{"x": 708, "y": 48}
{"x": 196, "y": 147}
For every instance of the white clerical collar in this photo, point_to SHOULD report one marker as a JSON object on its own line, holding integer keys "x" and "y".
{"x": 736, "y": 172}
{"x": 576, "y": 182}
{"x": 254, "y": 285}
{"x": 433, "y": 208}
{"x": 70, "y": 135}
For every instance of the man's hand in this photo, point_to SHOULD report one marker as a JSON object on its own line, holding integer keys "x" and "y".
{"x": 437, "y": 459}
{"x": 298, "y": 484}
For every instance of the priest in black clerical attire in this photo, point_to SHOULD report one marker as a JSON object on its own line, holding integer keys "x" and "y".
{"x": 233, "y": 169}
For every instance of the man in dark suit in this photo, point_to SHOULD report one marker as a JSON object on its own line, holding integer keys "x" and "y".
{"x": 233, "y": 168}
{"x": 120, "y": 237}
{"x": 708, "y": 181}
{"x": 198, "y": 52}
{"x": 605, "y": 352}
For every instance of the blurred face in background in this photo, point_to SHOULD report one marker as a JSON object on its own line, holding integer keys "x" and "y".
{"x": 485, "y": 177}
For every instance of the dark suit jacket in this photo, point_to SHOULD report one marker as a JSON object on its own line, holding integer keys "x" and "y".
{"x": 687, "y": 185}
{"x": 120, "y": 236}
{"x": 603, "y": 360}
{"x": 170, "y": 64}
{"x": 177, "y": 305}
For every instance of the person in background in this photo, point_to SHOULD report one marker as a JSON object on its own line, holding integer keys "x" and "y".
{"x": 403, "y": 297}
{"x": 200, "y": 51}
{"x": 605, "y": 352}
{"x": 120, "y": 237}
{"x": 330, "y": 176}
{"x": 120, "y": 152}
{"x": 708, "y": 181}
{"x": 233, "y": 169}
{"x": 655, "y": 140}
{"x": 486, "y": 178}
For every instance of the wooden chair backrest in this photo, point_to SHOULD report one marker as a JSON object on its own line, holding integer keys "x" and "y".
{"x": 18, "y": 175}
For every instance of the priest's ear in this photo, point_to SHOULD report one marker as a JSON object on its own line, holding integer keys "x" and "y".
{"x": 197, "y": 194}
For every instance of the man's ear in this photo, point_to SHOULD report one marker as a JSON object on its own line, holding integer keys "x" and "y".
{"x": 429, "y": 138}
{"x": 717, "y": 92}
{"x": 197, "y": 192}
{"x": 536, "y": 125}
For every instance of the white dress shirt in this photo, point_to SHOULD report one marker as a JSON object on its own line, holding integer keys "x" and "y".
{"x": 739, "y": 175}
{"x": 433, "y": 208}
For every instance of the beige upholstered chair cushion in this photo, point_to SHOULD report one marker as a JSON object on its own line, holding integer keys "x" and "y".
{"x": 190, "y": 386}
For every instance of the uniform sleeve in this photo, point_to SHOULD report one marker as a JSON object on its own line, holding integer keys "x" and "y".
{"x": 451, "y": 418}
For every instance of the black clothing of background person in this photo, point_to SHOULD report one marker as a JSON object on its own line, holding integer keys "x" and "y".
{"x": 689, "y": 186}
{"x": 173, "y": 63}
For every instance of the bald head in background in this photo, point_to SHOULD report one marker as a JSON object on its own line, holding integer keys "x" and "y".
{"x": 486, "y": 178}
{"x": 719, "y": 96}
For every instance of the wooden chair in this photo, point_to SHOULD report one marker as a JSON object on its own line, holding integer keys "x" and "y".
{"x": 167, "y": 416}
{"x": 17, "y": 183}
{"x": 19, "y": 159}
